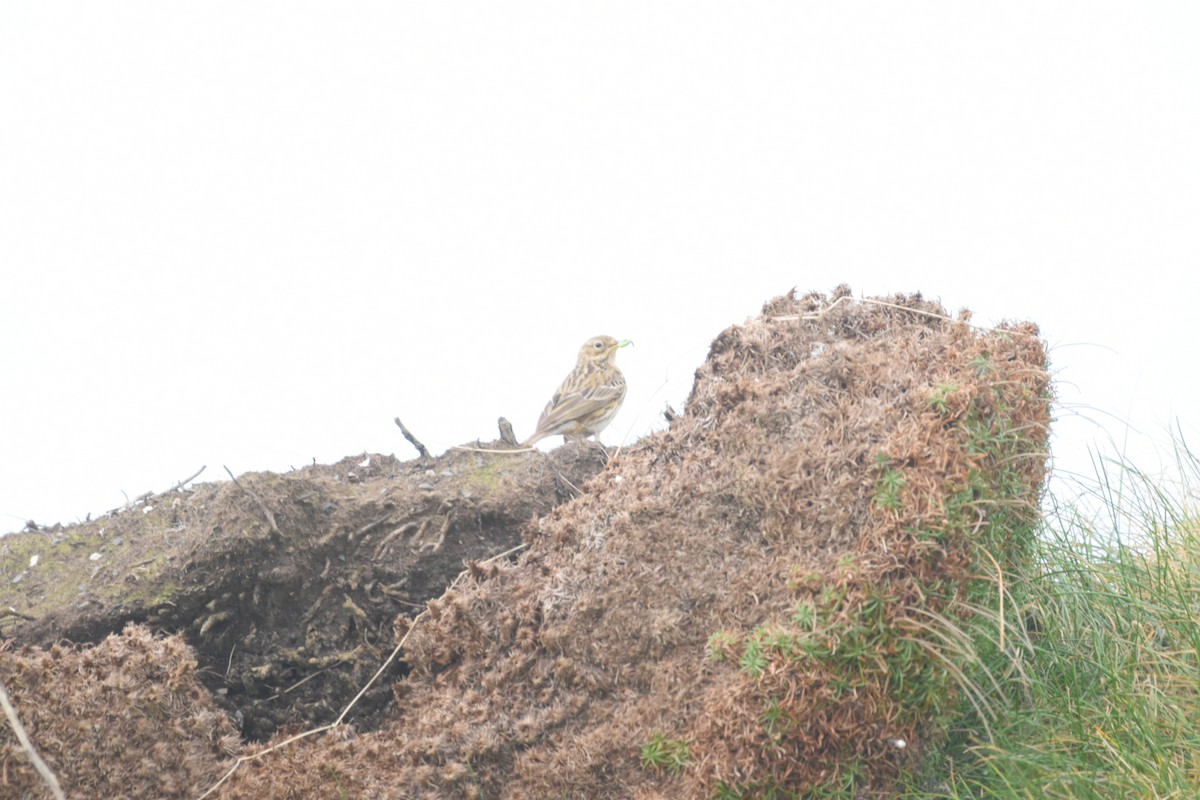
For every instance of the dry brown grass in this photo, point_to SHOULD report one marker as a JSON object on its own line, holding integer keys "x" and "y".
{"x": 124, "y": 718}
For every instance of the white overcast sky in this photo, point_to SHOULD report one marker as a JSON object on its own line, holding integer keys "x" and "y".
{"x": 251, "y": 234}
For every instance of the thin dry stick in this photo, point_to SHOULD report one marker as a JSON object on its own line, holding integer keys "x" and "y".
{"x": 412, "y": 439}
{"x": 489, "y": 450}
{"x": 297, "y": 684}
{"x": 565, "y": 479}
{"x": 330, "y": 726}
{"x": 263, "y": 506}
{"x": 848, "y": 299}
{"x": 131, "y": 503}
{"x": 183, "y": 482}
{"x": 148, "y": 495}
{"x": 47, "y": 774}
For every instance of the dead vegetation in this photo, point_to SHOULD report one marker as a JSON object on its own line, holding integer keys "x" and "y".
{"x": 124, "y": 718}
{"x": 287, "y": 585}
{"x": 777, "y": 595}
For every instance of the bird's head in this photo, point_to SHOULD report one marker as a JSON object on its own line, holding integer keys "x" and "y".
{"x": 600, "y": 349}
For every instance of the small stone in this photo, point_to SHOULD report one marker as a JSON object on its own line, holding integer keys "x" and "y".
{"x": 94, "y": 557}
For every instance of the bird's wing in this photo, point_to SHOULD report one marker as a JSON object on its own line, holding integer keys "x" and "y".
{"x": 570, "y": 405}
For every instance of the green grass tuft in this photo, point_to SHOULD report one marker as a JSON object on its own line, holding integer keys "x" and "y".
{"x": 1088, "y": 684}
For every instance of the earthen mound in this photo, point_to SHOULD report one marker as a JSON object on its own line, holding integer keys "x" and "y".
{"x": 287, "y": 585}
{"x": 780, "y": 593}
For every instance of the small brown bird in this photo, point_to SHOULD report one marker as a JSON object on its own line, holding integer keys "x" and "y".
{"x": 589, "y": 397}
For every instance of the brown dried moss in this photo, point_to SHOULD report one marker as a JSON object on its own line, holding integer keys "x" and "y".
{"x": 125, "y": 718}
{"x": 828, "y": 505}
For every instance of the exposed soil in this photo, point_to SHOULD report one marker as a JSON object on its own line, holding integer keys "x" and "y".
{"x": 752, "y": 589}
{"x": 291, "y": 614}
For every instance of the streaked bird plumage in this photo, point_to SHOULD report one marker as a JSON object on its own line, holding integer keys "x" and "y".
{"x": 589, "y": 396}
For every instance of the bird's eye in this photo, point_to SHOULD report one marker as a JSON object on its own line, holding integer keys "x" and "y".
{"x": 598, "y": 345}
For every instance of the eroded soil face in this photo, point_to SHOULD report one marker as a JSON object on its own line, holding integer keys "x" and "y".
{"x": 287, "y": 585}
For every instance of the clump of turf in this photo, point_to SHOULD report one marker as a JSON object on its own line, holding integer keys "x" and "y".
{"x": 784, "y": 594}
{"x": 124, "y": 718}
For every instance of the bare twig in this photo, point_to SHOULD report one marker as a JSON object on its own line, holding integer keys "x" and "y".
{"x": 296, "y": 685}
{"x": 150, "y": 495}
{"x": 559, "y": 476}
{"x": 183, "y": 482}
{"x": 47, "y": 774}
{"x": 263, "y": 506}
{"x": 130, "y": 503}
{"x": 412, "y": 439}
{"x": 383, "y": 667}
{"x": 817, "y": 315}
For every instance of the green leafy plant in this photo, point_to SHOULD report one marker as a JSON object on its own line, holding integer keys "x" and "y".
{"x": 754, "y": 659}
{"x": 804, "y": 615}
{"x": 889, "y": 485}
{"x": 939, "y": 399}
{"x": 665, "y": 755}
